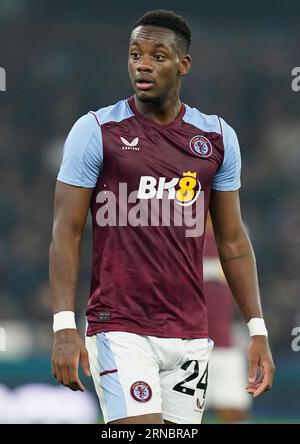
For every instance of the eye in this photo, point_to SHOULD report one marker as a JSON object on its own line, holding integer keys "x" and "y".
{"x": 135, "y": 55}
{"x": 159, "y": 57}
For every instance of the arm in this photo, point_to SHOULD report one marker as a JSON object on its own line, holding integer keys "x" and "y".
{"x": 70, "y": 212}
{"x": 239, "y": 266}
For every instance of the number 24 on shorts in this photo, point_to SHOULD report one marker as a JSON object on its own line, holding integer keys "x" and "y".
{"x": 202, "y": 382}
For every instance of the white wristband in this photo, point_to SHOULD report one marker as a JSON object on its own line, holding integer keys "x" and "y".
{"x": 257, "y": 327}
{"x": 64, "y": 319}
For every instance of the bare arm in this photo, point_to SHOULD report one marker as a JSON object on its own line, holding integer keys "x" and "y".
{"x": 239, "y": 266}
{"x": 70, "y": 212}
{"x": 235, "y": 252}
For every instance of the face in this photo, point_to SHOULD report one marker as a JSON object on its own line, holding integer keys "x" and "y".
{"x": 155, "y": 65}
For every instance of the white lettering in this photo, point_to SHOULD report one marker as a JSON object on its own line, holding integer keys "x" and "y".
{"x": 170, "y": 186}
{"x": 147, "y": 187}
{"x": 296, "y": 81}
{"x": 123, "y": 208}
{"x": 2, "y": 79}
{"x": 117, "y": 210}
{"x": 106, "y": 215}
{"x": 198, "y": 221}
{"x": 296, "y": 340}
{"x": 118, "y": 434}
{"x": 138, "y": 215}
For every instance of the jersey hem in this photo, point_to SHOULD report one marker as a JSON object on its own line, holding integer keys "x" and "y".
{"x": 74, "y": 183}
{"x": 215, "y": 188}
{"x": 94, "y": 329}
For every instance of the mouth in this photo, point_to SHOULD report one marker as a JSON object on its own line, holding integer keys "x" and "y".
{"x": 144, "y": 84}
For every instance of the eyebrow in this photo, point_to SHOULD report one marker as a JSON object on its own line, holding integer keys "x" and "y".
{"x": 160, "y": 45}
{"x": 156, "y": 45}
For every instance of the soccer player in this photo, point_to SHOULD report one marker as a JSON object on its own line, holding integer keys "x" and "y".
{"x": 149, "y": 167}
{"x": 227, "y": 367}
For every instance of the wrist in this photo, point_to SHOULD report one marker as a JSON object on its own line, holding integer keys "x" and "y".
{"x": 257, "y": 327}
{"x": 64, "y": 320}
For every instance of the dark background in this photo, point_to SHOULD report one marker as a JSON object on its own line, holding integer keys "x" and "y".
{"x": 64, "y": 58}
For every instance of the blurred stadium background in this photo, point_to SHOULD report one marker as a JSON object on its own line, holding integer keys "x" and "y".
{"x": 64, "y": 58}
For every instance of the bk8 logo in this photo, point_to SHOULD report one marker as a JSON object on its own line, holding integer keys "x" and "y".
{"x": 187, "y": 194}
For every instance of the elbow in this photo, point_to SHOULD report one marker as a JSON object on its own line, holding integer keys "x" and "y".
{"x": 65, "y": 235}
{"x": 236, "y": 247}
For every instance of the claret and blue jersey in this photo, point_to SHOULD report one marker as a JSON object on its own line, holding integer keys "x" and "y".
{"x": 147, "y": 272}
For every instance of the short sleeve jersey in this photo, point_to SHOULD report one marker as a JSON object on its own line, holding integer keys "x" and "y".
{"x": 152, "y": 186}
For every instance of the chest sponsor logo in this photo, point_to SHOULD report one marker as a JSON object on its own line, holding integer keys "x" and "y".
{"x": 187, "y": 192}
{"x": 200, "y": 146}
{"x": 130, "y": 146}
{"x": 158, "y": 202}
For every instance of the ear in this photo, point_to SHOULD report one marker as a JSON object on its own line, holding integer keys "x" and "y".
{"x": 185, "y": 65}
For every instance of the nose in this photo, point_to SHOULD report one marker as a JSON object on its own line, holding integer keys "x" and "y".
{"x": 145, "y": 64}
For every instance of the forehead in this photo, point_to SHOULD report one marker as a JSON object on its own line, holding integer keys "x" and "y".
{"x": 153, "y": 35}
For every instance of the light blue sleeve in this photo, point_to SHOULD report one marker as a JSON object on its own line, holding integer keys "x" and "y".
{"x": 228, "y": 176}
{"x": 83, "y": 154}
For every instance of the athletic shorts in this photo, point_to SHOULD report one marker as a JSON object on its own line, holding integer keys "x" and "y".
{"x": 138, "y": 375}
{"x": 228, "y": 379}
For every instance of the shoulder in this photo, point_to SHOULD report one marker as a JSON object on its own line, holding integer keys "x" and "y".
{"x": 228, "y": 132}
{"x": 205, "y": 122}
{"x": 211, "y": 123}
{"x": 88, "y": 125}
{"x": 113, "y": 113}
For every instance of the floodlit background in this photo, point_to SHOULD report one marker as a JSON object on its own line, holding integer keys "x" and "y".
{"x": 63, "y": 58}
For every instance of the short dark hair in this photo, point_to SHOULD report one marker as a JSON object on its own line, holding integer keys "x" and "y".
{"x": 168, "y": 19}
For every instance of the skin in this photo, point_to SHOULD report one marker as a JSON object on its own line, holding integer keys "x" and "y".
{"x": 71, "y": 208}
{"x": 153, "y": 418}
{"x": 153, "y": 54}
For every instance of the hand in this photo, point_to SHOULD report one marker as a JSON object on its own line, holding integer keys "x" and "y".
{"x": 260, "y": 357}
{"x": 68, "y": 350}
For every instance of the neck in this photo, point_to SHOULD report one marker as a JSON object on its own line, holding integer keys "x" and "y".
{"x": 162, "y": 113}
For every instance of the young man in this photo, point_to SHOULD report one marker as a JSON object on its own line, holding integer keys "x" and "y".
{"x": 149, "y": 167}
